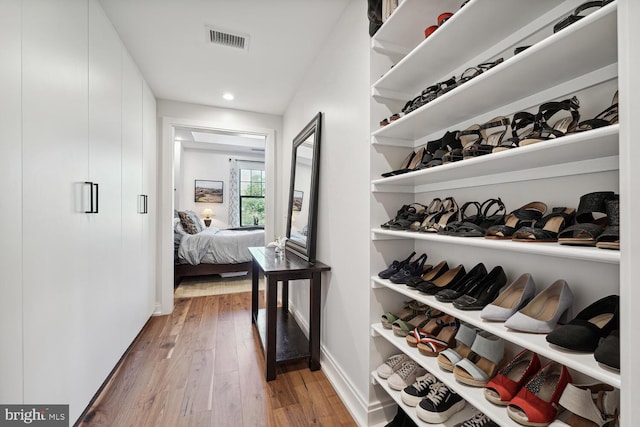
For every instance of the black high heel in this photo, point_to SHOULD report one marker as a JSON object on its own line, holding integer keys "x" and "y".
{"x": 472, "y": 276}
{"x": 449, "y": 278}
{"x": 451, "y": 293}
{"x": 543, "y": 131}
{"x": 484, "y": 292}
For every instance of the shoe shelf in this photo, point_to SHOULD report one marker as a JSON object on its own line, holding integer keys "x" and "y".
{"x": 581, "y": 362}
{"x": 473, "y": 395}
{"x": 404, "y": 29}
{"x": 455, "y": 46}
{"x": 578, "y": 153}
{"x": 557, "y": 66}
{"x": 545, "y": 249}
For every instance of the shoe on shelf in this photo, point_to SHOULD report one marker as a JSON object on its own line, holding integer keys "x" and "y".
{"x": 478, "y": 420}
{"x": 527, "y": 215}
{"x": 590, "y": 221}
{"x": 434, "y": 344}
{"x": 589, "y": 404}
{"x": 413, "y": 268}
{"x": 399, "y": 420}
{"x": 430, "y": 328}
{"x": 585, "y": 331}
{"x": 410, "y": 310}
{"x": 402, "y": 328}
{"x": 406, "y": 375}
{"x": 543, "y": 131}
{"x": 608, "y": 351}
{"x": 510, "y": 379}
{"x": 484, "y": 292}
{"x": 391, "y": 365}
{"x": 522, "y": 125}
{"x": 395, "y": 267}
{"x": 430, "y": 275}
{"x": 450, "y": 293}
{"x": 536, "y": 404}
{"x": 607, "y": 117}
{"x": 551, "y": 306}
{"x": 547, "y": 228}
{"x": 489, "y": 352}
{"x": 413, "y": 394}
{"x": 449, "y": 278}
{"x": 610, "y": 237}
{"x": 440, "y": 404}
{"x": 513, "y": 298}
{"x": 465, "y": 337}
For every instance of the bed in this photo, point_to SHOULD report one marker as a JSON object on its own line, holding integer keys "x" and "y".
{"x": 200, "y": 251}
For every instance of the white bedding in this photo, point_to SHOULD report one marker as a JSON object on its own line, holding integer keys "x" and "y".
{"x": 214, "y": 246}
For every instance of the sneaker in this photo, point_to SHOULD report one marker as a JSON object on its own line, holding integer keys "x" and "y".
{"x": 391, "y": 365}
{"x": 440, "y": 404}
{"x": 478, "y": 420}
{"x": 417, "y": 391}
{"x": 406, "y": 375}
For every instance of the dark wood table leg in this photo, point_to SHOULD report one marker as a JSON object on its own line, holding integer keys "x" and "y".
{"x": 314, "y": 320}
{"x": 255, "y": 274}
{"x": 285, "y": 297}
{"x": 272, "y": 313}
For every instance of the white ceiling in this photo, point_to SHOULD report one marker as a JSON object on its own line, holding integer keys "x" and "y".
{"x": 168, "y": 41}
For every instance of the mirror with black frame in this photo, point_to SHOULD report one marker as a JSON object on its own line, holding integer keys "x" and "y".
{"x": 303, "y": 191}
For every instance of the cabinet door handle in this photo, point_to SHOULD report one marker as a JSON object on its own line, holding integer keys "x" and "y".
{"x": 97, "y": 193}
{"x": 90, "y": 184}
{"x": 146, "y": 204}
{"x": 142, "y": 204}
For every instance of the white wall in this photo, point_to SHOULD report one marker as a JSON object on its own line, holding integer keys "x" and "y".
{"x": 208, "y": 165}
{"x": 337, "y": 84}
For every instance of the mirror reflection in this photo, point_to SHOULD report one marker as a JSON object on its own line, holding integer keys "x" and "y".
{"x": 302, "y": 186}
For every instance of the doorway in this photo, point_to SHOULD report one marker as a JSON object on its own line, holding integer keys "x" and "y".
{"x": 175, "y": 139}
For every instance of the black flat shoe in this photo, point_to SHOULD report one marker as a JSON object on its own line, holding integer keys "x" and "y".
{"x": 484, "y": 293}
{"x": 414, "y": 268}
{"x": 584, "y": 332}
{"x": 395, "y": 267}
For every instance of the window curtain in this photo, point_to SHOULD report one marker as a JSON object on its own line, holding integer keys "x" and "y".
{"x": 234, "y": 194}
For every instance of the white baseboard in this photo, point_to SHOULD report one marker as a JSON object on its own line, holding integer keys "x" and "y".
{"x": 364, "y": 414}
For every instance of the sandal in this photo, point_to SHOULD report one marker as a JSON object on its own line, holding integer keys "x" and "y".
{"x": 402, "y": 213}
{"x": 430, "y": 213}
{"x": 402, "y": 328}
{"x": 450, "y": 212}
{"x": 434, "y": 344}
{"x": 594, "y": 404}
{"x": 488, "y": 352}
{"x": 506, "y": 384}
{"x": 465, "y": 337}
{"x": 414, "y": 268}
{"x": 409, "y": 311}
{"x": 395, "y": 267}
{"x": 417, "y": 213}
{"x": 610, "y": 237}
{"x": 493, "y": 211}
{"x": 547, "y": 228}
{"x": 487, "y": 142}
{"x": 521, "y": 127}
{"x": 580, "y": 12}
{"x": 467, "y": 138}
{"x": 448, "y": 143}
{"x": 542, "y": 131}
{"x": 476, "y": 217}
{"x": 409, "y": 164}
{"x": 590, "y": 220}
{"x": 607, "y": 117}
{"x": 430, "y": 328}
{"x": 526, "y": 215}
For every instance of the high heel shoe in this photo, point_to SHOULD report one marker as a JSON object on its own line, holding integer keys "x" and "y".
{"x": 431, "y": 327}
{"x": 536, "y": 404}
{"x": 450, "y": 277}
{"x": 430, "y": 213}
{"x": 465, "y": 337}
{"x": 455, "y": 290}
{"x": 484, "y": 292}
{"x": 527, "y": 215}
{"x": 433, "y": 273}
{"x": 584, "y": 332}
{"x": 607, "y": 117}
{"x": 510, "y": 379}
{"x": 542, "y": 131}
{"x": 547, "y": 228}
{"x": 548, "y": 308}
{"x": 513, "y": 298}
{"x": 450, "y": 213}
{"x": 434, "y": 344}
{"x": 522, "y": 125}
{"x": 489, "y": 352}
{"x": 488, "y": 141}
{"x": 589, "y": 403}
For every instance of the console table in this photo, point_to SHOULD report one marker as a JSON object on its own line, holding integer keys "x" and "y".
{"x": 281, "y": 337}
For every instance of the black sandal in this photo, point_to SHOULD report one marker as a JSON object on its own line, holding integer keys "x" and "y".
{"x": 487, "y": 142}
{"x": 547, "y": 228}
{"x": 607, "y": 117}
{"x": 542, "y": 131}
{"x": 527, "y": 215}
{"x": 590, "y": 220}
{"x": 610, "y": 237}
{"x": 521, "y": 127}
{"x": 581, "y": 11}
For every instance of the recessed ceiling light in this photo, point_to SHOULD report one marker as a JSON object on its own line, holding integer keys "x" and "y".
{"x": 228, "y": 96}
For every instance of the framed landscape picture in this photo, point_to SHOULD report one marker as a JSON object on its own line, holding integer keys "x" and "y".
{"x": 209, "y": 191}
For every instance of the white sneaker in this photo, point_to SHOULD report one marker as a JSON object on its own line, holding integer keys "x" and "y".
{"x": 406, "y": 375}
{"x": 391, "y": 365}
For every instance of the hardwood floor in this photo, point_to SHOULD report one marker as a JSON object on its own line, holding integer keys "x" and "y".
{"x": 203, "y": 366}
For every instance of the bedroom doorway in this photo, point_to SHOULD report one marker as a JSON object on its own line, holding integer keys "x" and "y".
{"x": 183, "y": 141}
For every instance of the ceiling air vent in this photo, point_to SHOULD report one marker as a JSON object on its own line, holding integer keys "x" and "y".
{"x": 220, "y": 37}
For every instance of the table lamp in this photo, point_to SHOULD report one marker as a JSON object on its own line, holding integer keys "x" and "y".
{"x": 207, "y": 214}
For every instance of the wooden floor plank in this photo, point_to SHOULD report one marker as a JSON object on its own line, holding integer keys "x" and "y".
{"x": 203, "y": 366}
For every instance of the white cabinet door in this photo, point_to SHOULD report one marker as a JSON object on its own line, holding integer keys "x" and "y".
{"x": 132, "y": 284}
{"x": 55, "y": 164}
{"x": 105, "y": 150}
{"x": 10, "y": 204}
{"x": 149, "y": 188}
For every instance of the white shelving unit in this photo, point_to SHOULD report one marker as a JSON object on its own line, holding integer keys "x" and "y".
{"x": 580, "y": 60}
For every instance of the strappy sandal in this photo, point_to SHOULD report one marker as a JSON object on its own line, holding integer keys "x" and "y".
{"x": 525, "y": 216}
{"x": 546, "y": 229}
{"x": 542, "y": 131}
{"x": 409, "y": 164}
{"x": 417, "y": 212}
{"x": 402, "y": 328}
{"x": 493, "y": 211}
{"x": 465, "y": 337}
{"x": 402, "y": 214}
{"x": 445, "y": 338}
{"x": 521, "y": 127}
{"x": 467, "y": 138}
{"x": 607, "y": 117}
{"x": 428, "y": 329}
{"x": 448, "y": 143}
{"x": 465, "y": 217}
{"x": 476, "y": 372}
{"x": 410, "y": 310}
{"x": 590, "y": 220}
{"x": 430, "y": 213}
{"x": 488, "y": 141}
{"x": 581, "y": 11}
{"x": 450, "y": 213}
{"x": 610, "y": 237}
{"x": 592, "y": 404}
